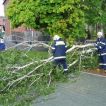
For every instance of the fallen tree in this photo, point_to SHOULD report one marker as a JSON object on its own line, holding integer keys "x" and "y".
{"x": 26, "y": 73}
{"x": 41, "y": 63}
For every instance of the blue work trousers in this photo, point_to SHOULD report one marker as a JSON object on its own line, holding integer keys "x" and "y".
{"x": 61, "y": 62}
{"x": 102, "y": 61}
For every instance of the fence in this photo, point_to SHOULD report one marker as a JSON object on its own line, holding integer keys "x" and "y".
{"x": 28, "y": 37}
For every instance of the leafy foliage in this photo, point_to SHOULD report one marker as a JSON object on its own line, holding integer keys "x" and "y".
{"x": 95, "y": 11}
{"x": 22, "y": 93}
{"x": 63, "y": 17}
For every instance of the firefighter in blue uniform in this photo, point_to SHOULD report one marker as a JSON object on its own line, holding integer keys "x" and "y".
{"x": 2, "y": 44}
{"x": 101, "y": 47}
{"x": 59, "y": 52}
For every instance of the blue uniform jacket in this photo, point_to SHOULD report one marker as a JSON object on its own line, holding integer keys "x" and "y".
{"x": 2, "y": 46}
{"x": 59, "y": 49}
{"x": 101, "y": 45}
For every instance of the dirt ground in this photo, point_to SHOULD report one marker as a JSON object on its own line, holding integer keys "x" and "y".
{"x": 97, "y": 71}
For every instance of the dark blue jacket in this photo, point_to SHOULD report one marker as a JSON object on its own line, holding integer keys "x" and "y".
{"x": 101, "y": 45}
{"x": 59, "y": 49}
{"x": 2, "y": 46}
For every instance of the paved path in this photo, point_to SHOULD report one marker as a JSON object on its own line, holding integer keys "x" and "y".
{"x": 88, "y": 90}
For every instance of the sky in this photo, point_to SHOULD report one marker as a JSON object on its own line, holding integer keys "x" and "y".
{"x": 1, "y": 8}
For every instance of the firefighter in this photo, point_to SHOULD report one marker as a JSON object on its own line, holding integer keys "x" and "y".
{"x": 59, "y": 52}
{"x": 2, "y": 44}
{"x": 101, "y": 47}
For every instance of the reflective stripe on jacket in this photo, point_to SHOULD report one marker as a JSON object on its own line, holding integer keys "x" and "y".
{"x": 101, "y": 45}
{"x": 59, "y": 49}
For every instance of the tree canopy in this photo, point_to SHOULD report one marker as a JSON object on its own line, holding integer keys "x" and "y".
{"x": 64, "y": 17}
{"x": 95, "y": 12}
{"x": 54, "y": 16}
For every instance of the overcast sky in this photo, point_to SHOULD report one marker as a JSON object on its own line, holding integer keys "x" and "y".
{"x": 1, "y": 8}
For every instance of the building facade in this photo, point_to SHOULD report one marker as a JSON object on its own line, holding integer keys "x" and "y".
{"x": 7, "y": 24}
{"x": 21, "y": 33}
{"x": 2, "y": 21}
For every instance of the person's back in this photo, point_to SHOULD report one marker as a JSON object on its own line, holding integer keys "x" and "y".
{"x": 59, "y": 52}
{"x": 60, "y": 49}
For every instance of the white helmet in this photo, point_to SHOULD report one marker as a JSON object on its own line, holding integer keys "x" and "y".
{"x": 99, "y": 34}
{"x": 56, "y": 37}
